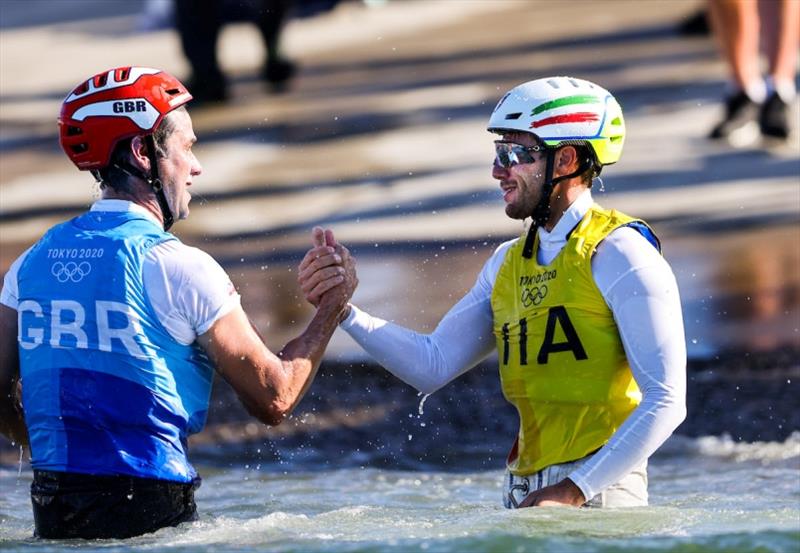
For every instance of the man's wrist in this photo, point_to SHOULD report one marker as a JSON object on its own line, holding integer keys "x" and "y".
{"x": 573, "y": 491}
{"x": 345, "y": 313}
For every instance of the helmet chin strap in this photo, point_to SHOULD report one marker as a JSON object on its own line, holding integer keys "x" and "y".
{"x": 541, "y": 213}
{"x": 153, "y": 180}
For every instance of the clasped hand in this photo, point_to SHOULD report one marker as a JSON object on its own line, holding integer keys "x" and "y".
{"x": 327, "y": 273}
{"x": 564, "y": 493}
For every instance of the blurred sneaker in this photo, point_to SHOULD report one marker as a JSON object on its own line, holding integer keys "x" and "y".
{"x": 774, "y": 117}
{"x": 694, "y": 25}
{"x": 208, "y": 90}
{"x": 740, "y": 113}
{"x": 278, "y": 72}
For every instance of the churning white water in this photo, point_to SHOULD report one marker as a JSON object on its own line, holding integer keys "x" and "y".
{"x": 707, "y": 494}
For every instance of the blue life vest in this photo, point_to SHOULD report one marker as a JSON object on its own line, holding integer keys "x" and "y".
{"x": 105, "y": 388}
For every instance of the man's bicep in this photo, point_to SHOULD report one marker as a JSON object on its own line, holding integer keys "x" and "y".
{"x": 231, "y": 342}
{"x": 188, "y": 289}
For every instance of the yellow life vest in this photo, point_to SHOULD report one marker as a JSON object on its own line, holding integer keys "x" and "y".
{"x": 562, "y": 364}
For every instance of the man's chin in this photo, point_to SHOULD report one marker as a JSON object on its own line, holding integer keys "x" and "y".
{"x": 514, "y": 211}
{"x": 185, "y": 210}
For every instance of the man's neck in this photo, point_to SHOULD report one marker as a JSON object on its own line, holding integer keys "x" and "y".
{"x": 149, "y": 203}
{"x": 564, "y": 195}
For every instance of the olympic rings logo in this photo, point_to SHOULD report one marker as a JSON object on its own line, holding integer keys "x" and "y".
{"x": 533, "y": 296}
{"x": 70, "y": 271}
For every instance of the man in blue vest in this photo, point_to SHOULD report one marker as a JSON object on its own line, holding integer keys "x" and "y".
{"x": 111, "y": 328}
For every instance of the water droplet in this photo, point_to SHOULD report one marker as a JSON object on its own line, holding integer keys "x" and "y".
{"x": 422, "y": 403}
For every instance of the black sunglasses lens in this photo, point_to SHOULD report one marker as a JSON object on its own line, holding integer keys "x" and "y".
{"x": 502, "y": 159}
{"x": 508, "y": 155}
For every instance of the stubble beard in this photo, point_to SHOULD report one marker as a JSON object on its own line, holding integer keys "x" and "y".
{"x": 523, "y": 207}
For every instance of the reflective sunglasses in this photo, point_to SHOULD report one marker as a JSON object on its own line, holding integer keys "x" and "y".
{"x": 508, "y": 154}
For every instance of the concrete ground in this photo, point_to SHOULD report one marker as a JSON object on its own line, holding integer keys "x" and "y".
{"x": 382, "y": 137}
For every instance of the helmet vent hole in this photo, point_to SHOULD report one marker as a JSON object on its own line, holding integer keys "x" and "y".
{"x": 79, "y": 148}
{"x": 512, "y": 116}
{"x": 573, "y": 83}
{"x": 616, "y": 121}
{"x": 173, "y": 91}
{"x": 122, "y": 74}
{"x": 81, "y": 89}
{"x": 73, "y": 131}
{"x": 553, "y": 83}
{"x": 100, "y": 80}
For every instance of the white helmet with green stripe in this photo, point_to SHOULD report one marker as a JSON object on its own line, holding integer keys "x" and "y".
{"x": 562, "y": 111}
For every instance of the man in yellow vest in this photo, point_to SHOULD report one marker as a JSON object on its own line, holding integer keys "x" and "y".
{"x": 584, "y": 310}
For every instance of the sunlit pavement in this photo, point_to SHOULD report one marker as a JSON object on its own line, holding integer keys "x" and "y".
{"x": 382, "y": 137}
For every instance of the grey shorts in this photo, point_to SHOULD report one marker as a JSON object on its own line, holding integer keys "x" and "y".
{"x": 630, "y": 491}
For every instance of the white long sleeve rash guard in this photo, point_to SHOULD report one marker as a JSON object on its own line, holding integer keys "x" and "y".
{"x": 639, "y": 288}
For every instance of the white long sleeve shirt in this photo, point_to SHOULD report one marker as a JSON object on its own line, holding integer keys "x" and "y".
{"x": 639, "y": 288}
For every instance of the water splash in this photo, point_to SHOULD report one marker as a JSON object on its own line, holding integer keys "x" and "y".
{"x": 422, "y": 403}
{"x": 764, "y": 452}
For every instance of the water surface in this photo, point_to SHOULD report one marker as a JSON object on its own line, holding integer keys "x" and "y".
{"x": 707, "y": 494}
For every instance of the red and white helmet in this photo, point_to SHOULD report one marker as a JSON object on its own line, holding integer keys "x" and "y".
{"x": 112, "y": 106}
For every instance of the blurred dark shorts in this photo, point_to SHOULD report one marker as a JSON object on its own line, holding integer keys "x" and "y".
{"x": 72, "y": 505}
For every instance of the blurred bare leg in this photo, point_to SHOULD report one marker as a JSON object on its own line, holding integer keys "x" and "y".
{"x": 780, "y": 23}
{"x": 780, "y": 36}
{"x": 736, "y": 28}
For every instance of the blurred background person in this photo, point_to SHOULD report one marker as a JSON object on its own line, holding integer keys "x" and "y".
{"x": 739, "y": 25}
{"x": 199, "y": 23}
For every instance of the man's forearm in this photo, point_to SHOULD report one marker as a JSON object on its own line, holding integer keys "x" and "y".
{"x": 301, "y": 356}
{"x": 647, "y": 428}
{"x": 427, "y": 361}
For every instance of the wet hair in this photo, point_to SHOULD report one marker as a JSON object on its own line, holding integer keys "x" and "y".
{"x": 111, "y": 176}
{"x": 585, "y": 153}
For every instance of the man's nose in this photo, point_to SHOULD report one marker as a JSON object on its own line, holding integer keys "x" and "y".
{"x": 196, "y": 167}
{"x": 498, "y": 171}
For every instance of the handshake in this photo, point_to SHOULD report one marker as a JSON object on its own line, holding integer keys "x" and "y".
{"x": 327, "y": 273}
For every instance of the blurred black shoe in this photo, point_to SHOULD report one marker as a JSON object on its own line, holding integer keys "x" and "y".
{"x": 740, "y": 112}
{"x": 774, "y": 117}
{"x": 208, "y": 90}
{"x": 695, "y": 25}
{"x": 278, "y": 72}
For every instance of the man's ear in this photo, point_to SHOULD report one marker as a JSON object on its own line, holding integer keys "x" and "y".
{"x": 139, "y": 153}
{"x": 567, "y": 161}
